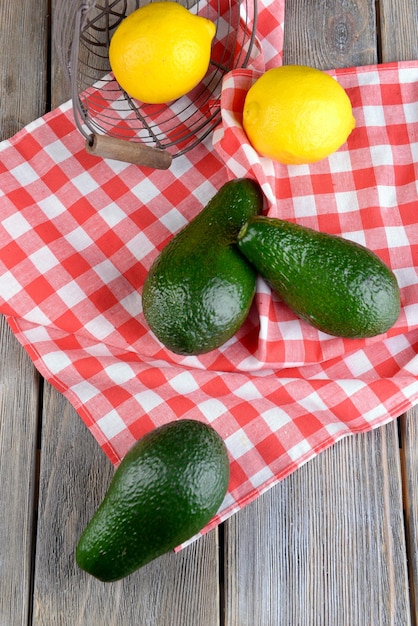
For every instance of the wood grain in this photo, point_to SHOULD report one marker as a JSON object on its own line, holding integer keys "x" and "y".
{"x": 398, "y": 37}
{"x": 18, "y": 459}
{"x": 22, "y": 98}
{"x": 23, "y": 90}
{"x": 330, "y": 33}
{"x": 74, "y": 475}
{"x": 326, "y": 546}
{"x": 398, "y": 30}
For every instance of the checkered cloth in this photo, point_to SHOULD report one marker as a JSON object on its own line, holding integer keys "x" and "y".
{"x": 78, "y": 235}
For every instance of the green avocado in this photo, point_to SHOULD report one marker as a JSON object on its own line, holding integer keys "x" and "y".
{"x": 200, "y": 288}
{"x": 166, "y": 489}
{"x": 338, "y": 286}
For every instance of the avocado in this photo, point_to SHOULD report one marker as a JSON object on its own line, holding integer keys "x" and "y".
{"x": 166, "y": 489}
{"x": 200, "y": 288}
{"x": 338, "y": 286}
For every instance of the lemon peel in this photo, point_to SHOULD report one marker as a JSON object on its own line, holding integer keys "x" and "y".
{"x": 161, "y": 51}
{"x": 296, "y": 114}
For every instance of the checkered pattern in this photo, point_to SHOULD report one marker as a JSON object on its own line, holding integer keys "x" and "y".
{"x": 78, "y": 235}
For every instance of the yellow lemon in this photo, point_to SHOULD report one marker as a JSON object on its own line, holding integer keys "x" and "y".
{"x": 296, "y": 114}
{"x": 161, "y": 51}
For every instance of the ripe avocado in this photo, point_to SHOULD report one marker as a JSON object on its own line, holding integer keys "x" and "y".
{"x": 337, "y": 285}
{"x": 200, "y": 288}
{"x": 166, "y": 489}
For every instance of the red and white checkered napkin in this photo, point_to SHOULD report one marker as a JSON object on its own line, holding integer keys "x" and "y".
{"x": 78, "y": 235}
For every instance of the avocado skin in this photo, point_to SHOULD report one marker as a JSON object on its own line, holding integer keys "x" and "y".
{"x": 340, "y": 287}
{"x": 200, "y": 288}
{"x": 166, "y": 489}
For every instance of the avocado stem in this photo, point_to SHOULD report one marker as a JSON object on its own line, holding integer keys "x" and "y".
{"x": 243, "y": 230}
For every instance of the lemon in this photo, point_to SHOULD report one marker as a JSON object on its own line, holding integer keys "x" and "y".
{"x": 295, "y": 114}
{"x": 161, "y": 51}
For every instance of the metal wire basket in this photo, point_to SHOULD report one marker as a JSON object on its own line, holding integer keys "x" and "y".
{"x": 116, "y": 125}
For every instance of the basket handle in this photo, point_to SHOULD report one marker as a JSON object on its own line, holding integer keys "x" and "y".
{"x": 128, "y": 151}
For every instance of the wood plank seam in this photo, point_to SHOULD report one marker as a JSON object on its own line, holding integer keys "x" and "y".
{"x": 407, "y": 504}
{"x": 377, "y": 13}
{"x": 222, "y": 573}
{"x": 35, "y": 501}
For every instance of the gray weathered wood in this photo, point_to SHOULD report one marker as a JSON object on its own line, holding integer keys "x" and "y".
{"x": 23, "y": 42}
{"x": 398, "y": 30}
{"x": 329, "y": 33}
{"x": 74, "y": 475}
{"x": 398, "y": 36}
{"x": 22, "y": 99}
{"x": 326, "y": 546}
{"x": 18, "y": 457}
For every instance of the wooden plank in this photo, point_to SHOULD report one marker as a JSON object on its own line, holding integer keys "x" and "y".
{"x": 18, "y": 455}
{"x": 23, "y": 42}
{"x": 327, "y": 545}
{"x": 22, "y": 97}
{"x": 398, "y": 30}
{"x": 400, "y": 43}
{"x": 176, "y": 589}
{"x": 329, "y": 33}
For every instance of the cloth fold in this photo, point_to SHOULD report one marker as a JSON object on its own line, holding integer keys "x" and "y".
{"x": 78, "y": 235}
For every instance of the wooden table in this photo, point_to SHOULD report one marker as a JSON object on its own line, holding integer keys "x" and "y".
{"x": 335, "y": 544}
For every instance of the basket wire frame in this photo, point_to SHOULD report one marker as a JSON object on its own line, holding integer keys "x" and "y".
{"x": 82, "y": 33}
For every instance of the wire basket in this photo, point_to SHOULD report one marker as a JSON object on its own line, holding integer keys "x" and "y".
{"x": 116, "y": 125}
